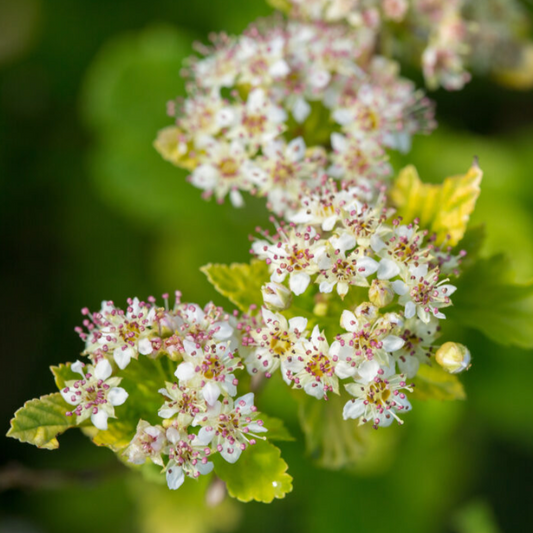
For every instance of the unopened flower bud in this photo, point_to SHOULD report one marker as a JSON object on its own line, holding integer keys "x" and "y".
{"x": 381, "y": 293}
{"x": 276, "y": 295}
{"x": 453, "y": 357}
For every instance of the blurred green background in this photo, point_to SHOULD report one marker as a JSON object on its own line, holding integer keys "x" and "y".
{"x": 90, "y": 211}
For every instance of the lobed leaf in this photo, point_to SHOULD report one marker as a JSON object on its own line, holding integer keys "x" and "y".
{"x": 490, "y": 300}
{"x": 63, "y": 373}
{"x": 239, "y": 282}
{"x": 40, "y": 421}
{"x": 434, "y": 383}
{"x": 443, "y": 209}
{"x": 260, "y": 474}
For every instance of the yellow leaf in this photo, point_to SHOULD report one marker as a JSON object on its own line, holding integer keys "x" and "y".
{"x": 434, "y": 383}
{"x": 174, "y": 148}
{"x": 443, "y": 209}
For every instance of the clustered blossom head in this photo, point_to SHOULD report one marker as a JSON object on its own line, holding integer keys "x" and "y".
{"x": 287, "y": 105}
{"x": 199, "y": 415}
{"x": 448, "y": 35}
{"x": 350, "y": 263}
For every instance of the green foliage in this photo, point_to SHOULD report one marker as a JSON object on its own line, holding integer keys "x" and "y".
{"x": 434, "y": 383}
{"x": 63, "y": 373}
{"x": 260, "y": 474}
{"x": 443, "y": 209}
{"x": 489, "y": 299}
{"x": 40, "y": 421}
{"x": 334, "y": 443}
{"x": 239, "y": 282}
{"x": 276, "y": 428}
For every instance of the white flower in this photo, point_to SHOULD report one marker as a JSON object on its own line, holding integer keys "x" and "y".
{"x": 148, "y": 442}
{"x": 95, "y": 395}
{"x": 275, "y": 342}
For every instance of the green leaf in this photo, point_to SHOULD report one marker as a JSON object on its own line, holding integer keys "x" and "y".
{"x": 472, "y": 243}
{"x": 260, "y": 474}
{"x": 276, "y": 428}
{"x": 330, "y": 440}
{"x": 41, "y": 420}
{"x": 443, "y": 209}
{"x": 434, "y": 383}
{"x": 335, "y": 443}
{"x": 63, "y": 373}
{"x": 490, "y": 300}
{"x": 239, "y": 282}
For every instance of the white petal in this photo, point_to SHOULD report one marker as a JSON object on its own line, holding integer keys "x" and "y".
{"x": 206, "y": 468}
{"x": 190, "y": 348}
{"x": 77, "y": 367}
{"x": 245, "y": 403}
{"x": 376, "y": 243}
{"x": 279, "y": 69}
{"x": 231, "y": 453}
{"x": 326, "y": 286}
{"x": 410, "y": 310}
{"x": 344, "y": 370}
{"x": 70, "y": 396}
{"x": 300, "y": 110}
{"x": 145, "y": 347}
{"x": 185, "y": 372}
{"x": 388, "y": 269}
{"x": 385, "y": 420}
{"x": 117, "y": 396}
{"x": 299, "y": 282}
{"x": 366, "y": 266}
{"x": 236, "y": 198}
{"x": 211, "y": 392}
{"x": 123, "y": 357}
{"x": 408, "y": 365}
{"x": 399, "y": 287}
{"x": 314, "y": 389}
{"x": 391, "y": 343}
{"x": 99, "y": 420}
{"x": 224, "y": 332}
{"x": 353, "y": 409}
{"x": 344, "y": 242}
{"x": 368, "y": 370}
{"x": 329, "y": 223}
{"x": 205, "y": 436}
{"x": 298, "y": 323}
{"x": 338, "y": 142}
{"x": 175, "y": 477}
{"x": 295, "y": 149}
{"x": 349, "y": 322}
{"x": 103, "y": 370}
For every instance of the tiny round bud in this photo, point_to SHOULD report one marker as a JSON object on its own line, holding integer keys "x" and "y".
{"x": 453, "y": 357}
{"x": 276, "y": 295}
{"x": 380, "y": 293}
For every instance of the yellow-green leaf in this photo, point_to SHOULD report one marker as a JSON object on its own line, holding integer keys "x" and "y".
{"x": 443, "y": 209}
{"x": 63, "y": 373}
{"x": 39, "y": 421}
{"x": 239, "y": 282}
{"x": 434, "y": 383}
{"x": 276, "y": 428}
{"x": 260, "y": 474}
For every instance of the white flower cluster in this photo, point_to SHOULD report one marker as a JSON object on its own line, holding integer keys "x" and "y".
{"x": 286, "y": 105}
{"x": 199, "y": 415}
{"x": 449, "y": 34}
{"x": 345, "y": 260}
